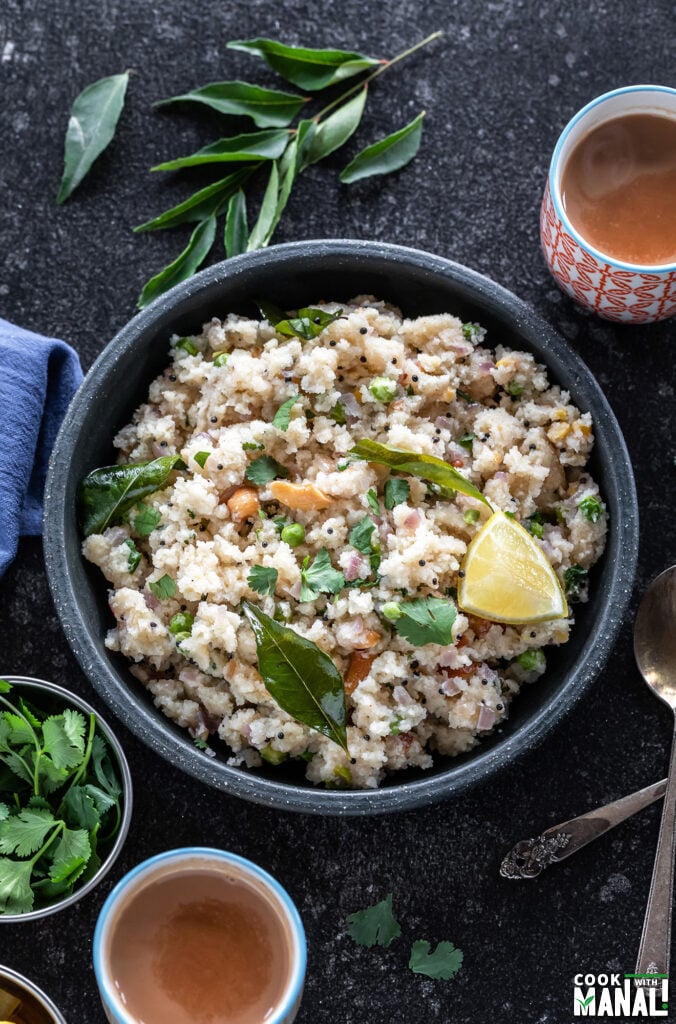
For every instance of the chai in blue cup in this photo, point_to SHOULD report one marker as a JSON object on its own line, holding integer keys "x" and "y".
{"x": 199, "y": 936}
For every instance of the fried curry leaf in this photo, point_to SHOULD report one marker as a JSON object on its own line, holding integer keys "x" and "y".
{"x": 267, "y": 108}
{"x": 306, "y": 68}
{"x": 427, "y": 467}
{"x": 299, "y": 676}
{"x": 106, "y": 494}
{"x": 309, "y": 322}
{"x": 389, "y": 154}
{"x": 93, "y": 120}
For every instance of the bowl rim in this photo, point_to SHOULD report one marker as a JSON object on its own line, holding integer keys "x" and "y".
{"x": 34, "y": 990}
{"x": 53, "y": 689}
{"x": 279, "y": 794}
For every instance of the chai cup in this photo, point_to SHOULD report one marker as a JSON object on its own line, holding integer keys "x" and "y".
{"x": 235, "y": 869}
{"x": 626, "y": 292}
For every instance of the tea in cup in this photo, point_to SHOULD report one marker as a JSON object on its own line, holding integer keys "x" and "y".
{"x": 199, "y": 936}
{"x": 608, "y": 219}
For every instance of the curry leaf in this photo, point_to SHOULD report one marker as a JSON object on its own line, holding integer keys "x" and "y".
{"x": 267, "y": 108}
{"x": 236, "y": 227}
{"x": 307, "y": 324}
{"x": 184, "y": 266}
{"x": 427, "y": 467}
{"x": 106, "y": 494}
{"x": 92, "y": 124}
{"x": 264, "y": 145}
{"x": 307, "y": 68}
{"x": 387, "y": 155}
{"x": 200, "y": 205}
{"x": 264, "y": 226}
{"x": 334, "y": 132}
{"x": 299, "y": 676}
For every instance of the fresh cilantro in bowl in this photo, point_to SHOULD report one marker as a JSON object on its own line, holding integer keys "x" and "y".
{"x": 65, "y": 798}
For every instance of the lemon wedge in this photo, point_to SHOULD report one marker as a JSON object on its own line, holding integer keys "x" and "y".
{"x": 507, "y": 576}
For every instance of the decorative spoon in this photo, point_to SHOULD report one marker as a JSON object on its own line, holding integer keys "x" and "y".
{"x": 655, "y": 651}
{"x": 531, "y": 856}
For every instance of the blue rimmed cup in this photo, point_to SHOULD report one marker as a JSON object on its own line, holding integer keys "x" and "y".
{"x": 626, "y": 292}
{"x": 186, "y": 861}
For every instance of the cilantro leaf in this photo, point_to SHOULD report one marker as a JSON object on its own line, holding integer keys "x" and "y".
{"x": 17, "y": 730}
{"x": 591, "y": 508}
{"x": 375, "y": 926}
{"x": 444, "y": 963}
{"x": 200, "y": 458}
{"x": 252, "y": 446}
{"x": 426, "y": 620}
{"x": 320, "y": 577}
{"x": 134, "y": 556}
{"x": 73, "y": 846}
{"x": 16, "y": 895}
{"x": 282, "y": 417}
{"x": 164, "y": 588}
{"x": 147, "y": 520}
{"x": 17, "y": 764}
{"x": 102, "y": 800}
{"x": 574, "y": 580}
{"x": 262, "y": 579}
{"x": 4, "y": 812}
{"x": 5, "y": 687}
{"x": 337, "y": 414}
{"x": 372, "y": 498}
{"x": 103, "y": 768}
{"x": 75, "y": 727}
{"x": 79, "y": 808}
{"x": 62, "y": 741}
{"x": 361, "y": 535}
{"x": 397, "y": 491}
{"x": 25, "y": 832}
{"x": 264, "y": 469}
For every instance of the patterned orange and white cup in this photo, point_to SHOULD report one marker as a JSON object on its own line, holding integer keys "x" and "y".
{"x": 626, "y": 292}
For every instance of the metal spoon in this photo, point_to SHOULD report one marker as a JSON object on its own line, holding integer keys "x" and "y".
{"x": 655, "y": 651}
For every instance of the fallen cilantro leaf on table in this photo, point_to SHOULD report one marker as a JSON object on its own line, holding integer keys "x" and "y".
{"x": 442, "y": 964}
{"x": 375, "y": 926}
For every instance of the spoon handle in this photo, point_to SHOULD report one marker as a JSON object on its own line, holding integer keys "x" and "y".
{"x": 654, "y": 951}
{"x": 531, "y": 856}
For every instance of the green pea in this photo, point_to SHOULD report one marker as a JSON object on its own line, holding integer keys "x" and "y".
{"x": 220, "y": 358}
{"x": 293, "y": 534}
{"x": 391, "y": 611}
{"x": 182, "y": 622}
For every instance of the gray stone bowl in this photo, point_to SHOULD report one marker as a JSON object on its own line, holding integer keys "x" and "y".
{"x": 294, "y": 275}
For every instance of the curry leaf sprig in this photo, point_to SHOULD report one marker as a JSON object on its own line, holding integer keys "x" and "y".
{"x": 285, "y": 143}
{"x": 59, "y": 792}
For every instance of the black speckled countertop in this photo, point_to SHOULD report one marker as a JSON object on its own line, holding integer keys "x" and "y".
{"x": 498, "y": 90}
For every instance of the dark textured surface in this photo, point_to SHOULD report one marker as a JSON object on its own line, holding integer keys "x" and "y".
{"x": 497, "y": 92}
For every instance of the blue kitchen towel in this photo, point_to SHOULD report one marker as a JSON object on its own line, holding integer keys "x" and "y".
{"x": 38, "y": 378}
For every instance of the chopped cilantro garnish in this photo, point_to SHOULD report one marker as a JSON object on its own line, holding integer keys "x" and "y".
{"x": 574, "y": 579}
{"x": 201, "y": 457}
{"x": 514, "y": 388}
{"x": 134, "y": 556}
{"x": 397, "y": 491}
{"x": 535, "y": 524}
{"x": 319, "y": 577}
{"x": 361, "y": 535}
{"x": 282, "y": 417}
{"x": 466, "y": 441}
{"x": 252, "y": 446}
{"x": 264, "y": 469}
{"x": 164, "y": 588}
{"x": 394, "y": 725}
{"x": 375, "y": 926}
{"x": 337, "y": 414}
{"x": 471, "y": 331}
{"x": 147, "y": 520}
{"x": 262, "y": 579}
{"x": 591, "y": 508}
{"x": 372, "y": 498}
{"x": 426, "y": 620}
{"x": 533, "y": 660}
{"x": 221, "y": 358}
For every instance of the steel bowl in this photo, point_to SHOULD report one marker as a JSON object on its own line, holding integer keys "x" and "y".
{"x": 18, "y": 981}
{"x": 294, "y": 275}
{"x": 53, "y": 699}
